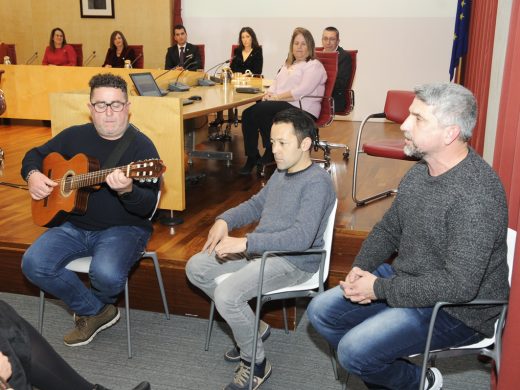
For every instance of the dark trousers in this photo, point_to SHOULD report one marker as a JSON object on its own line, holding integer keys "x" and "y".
{"x": 259, "y": 117}
{"x": 33, "y": 360}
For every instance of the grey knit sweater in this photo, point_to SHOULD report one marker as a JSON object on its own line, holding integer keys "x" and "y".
{"x": 450, "y": 234}
{"x": 292, "y": 209}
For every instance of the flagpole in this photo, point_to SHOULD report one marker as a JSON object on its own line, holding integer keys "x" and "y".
{"x": 458, "y": 75}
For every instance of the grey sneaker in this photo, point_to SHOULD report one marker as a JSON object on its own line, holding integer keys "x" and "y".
{"x": 433, "y": 379}
{"x": 88, "y": 327}
{"x": 233, "y": 355}
{"x": 242, "y": 375}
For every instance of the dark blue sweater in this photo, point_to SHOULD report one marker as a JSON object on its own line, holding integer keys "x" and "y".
{"x": 105, "y": 208}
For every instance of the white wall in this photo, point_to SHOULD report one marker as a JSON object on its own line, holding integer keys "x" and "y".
{"x": 401, "y": 43}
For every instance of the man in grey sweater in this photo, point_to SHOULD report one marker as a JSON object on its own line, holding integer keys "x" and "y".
{"x": 292, "y": 212}
{"x": 448, "y": 225}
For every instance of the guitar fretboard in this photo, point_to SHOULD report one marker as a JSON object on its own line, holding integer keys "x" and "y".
{"x": 89, "y": 179}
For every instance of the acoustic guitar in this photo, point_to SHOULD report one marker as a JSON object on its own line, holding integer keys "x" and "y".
{"x": 76, "y": 179}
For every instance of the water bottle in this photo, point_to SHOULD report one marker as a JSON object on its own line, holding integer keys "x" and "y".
{"x": 226, "y": 75}
{"x": 128, "y": 64}
{"x": 7, "y": 60}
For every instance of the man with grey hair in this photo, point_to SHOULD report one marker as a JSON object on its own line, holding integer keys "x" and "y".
{"x": 447, "y": 227}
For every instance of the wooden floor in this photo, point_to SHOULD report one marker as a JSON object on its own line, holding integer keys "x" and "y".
{"x": 220, "y": 189}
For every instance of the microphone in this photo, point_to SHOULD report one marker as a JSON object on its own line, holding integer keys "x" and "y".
{"x": 213, "y": 79}
{"x": 207, "y": 83}
{"x": 90, "y": 58}
{"x": 135, "y": 60}
{"x": 177, "y": 86}
{"x": 32, "y": 58}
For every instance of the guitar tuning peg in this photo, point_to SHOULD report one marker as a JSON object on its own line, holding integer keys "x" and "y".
{"x": 141, "y": 180}
{"x": 154, "y": 180}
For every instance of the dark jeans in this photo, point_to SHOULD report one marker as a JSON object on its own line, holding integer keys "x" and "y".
{"x": 33, "y": 361}
{"x": 372, "y": 341}
{"x": 259, "y": 117}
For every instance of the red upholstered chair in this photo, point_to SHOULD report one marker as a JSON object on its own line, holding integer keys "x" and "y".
{"x": 233, "y": 47}
{"x": 330, "y": 63}
{"x": 139, "y": 56}
{"x": 202, "y": 53}
{"x": 396, "y": 110}
{"x": 349, "y": 93}
{"x": 8, "y": 49}
{"x": 78, "y": 48}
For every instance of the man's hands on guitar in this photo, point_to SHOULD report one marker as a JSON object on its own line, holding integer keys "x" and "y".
{"x": 119, "y": 182}
{"x": 40, "y": 186}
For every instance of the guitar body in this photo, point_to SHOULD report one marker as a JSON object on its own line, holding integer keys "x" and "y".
{"x": 62, "y": 201}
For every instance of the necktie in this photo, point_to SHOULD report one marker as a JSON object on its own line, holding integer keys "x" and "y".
{"x": 181, "y": 57}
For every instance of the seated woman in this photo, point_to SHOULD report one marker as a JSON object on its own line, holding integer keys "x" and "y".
{"x": 27, "y": 359}
{"x": 247, "y": 56}
{"x": 302, "y": 74}
{"x": 118, "y": 51}
{"x": 58, "y": 52}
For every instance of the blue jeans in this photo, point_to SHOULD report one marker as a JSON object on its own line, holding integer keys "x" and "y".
{"x": 373, "y": 341}
{"x": 114, "y": 251}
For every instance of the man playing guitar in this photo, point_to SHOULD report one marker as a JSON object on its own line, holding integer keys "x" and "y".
{"x": 114, "y": 227}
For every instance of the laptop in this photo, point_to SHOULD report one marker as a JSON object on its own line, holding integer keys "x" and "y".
{"x": 146, "y": 86}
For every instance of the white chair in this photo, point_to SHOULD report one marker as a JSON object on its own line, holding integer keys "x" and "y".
{"x": 82, "y": 265}
{"x": 483, "y": 347}
{"x": 305, "y": 289}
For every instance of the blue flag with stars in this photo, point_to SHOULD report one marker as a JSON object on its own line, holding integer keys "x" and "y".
{"x": 460, "y": 38}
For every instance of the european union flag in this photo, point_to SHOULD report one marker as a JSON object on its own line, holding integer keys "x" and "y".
{"x": 460, "y": 38}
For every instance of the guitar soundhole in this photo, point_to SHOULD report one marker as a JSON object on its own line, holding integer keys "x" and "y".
{"x": 67, "y": 184}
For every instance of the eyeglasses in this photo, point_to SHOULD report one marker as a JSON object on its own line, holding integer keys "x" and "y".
{"x": 102, "y": 106}
{"x": 326, "y": 39}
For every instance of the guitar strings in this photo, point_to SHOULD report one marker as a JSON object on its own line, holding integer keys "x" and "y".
{"x": 81, "y": 179}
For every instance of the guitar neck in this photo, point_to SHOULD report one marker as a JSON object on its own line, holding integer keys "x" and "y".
{"x": 92, "y": 178}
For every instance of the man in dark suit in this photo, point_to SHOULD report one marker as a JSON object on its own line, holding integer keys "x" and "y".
{"x": 183, "y": 55}
{"x": 330, "y": 41}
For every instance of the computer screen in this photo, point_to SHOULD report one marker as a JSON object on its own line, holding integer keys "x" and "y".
{"x": 145, "y": 84}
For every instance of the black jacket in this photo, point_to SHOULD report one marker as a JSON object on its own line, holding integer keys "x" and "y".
{"x": 192, "y": 59}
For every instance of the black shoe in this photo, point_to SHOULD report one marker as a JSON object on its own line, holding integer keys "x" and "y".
{"x": 140, "y": 386}
{"x": 217, "y": 122}
{"x": 267, "y": 158}
{"x": 249, "y": 165}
